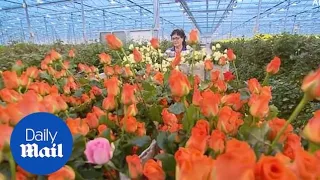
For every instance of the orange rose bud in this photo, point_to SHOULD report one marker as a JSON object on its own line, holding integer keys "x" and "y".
{"x": 32, "y": 72}
{"x": 209, "y": 104}
{"x": 54, "y": 55}
{"x": 193, "y": 36}
{"x": 153, "y": 171}
{"x": 196, "y": 98}
{"x": 108, "y": 70}
{"x": 208, "y": 65}
{"x": 109, "y": 103}
{"x": 5, "y": 135}
{"x": 130, "y": 124}
{"x": 254, "y": 86}
{"x": 155, "y": 43}
{"x": 217, "y": 141}
{"x": 229, "y": 120}
{"x": 179, "y": 83}
{"x": 71, "y": 53}
{"x": 215, "y": 76}
{"x": 198, "y": 139}
{"x": 311, "y": 85}
{"x": 275, "y": 125}
{"x": 233, "y": 100}
{"x": 168, "y": 118}
{"x": 132, "y": 110}
{"x": 10, "y": 79}
{"x": 102, "y": 128}
{"x": 112, "y": 86}
{"x": 65, "y": 172}
{"x": 271, "y": 168}
{"x": 113, "y": 42}
{"x": 158, "y": 78}
{"x": 105, "y": 58}
{"x": 135, "y": 166}
{"x": 92, "y": 120}
{"x": 274, "y": 66}
{"x": 222, "y": 61}
{"x": 141, "y": 130}
{"x": 128, "y": 94}
{"x": 77, "y": 126}
{"x": 312, "y": 130}
{"x": 230, "y": 55}
{"x": 203, "y": 124}
{"x": 305, "y": 165}
{"x": 292, "y": 143}
{"x": 260, "y": 106}
{"x": 137, "y": 55}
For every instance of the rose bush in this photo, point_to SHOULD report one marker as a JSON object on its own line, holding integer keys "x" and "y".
{"x": 215, "y": 128}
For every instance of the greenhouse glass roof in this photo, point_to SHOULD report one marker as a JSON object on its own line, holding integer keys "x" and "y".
{"x": 46, "y": 21}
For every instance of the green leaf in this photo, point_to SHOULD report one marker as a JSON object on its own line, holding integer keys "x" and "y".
{"x": 154, "y": 113}
{"x": 105, "y": 120}
{"x": 273, "y": 112}
{"x": 83, "y": 81}
{"x": 107, "y": 134}
{"x": 162, "y": 139}
{"x": 5, "y": 170}
{"x": 177, "y": 108}
{"x": 244, "y": 94}
{"x": 1, "y": 83}
{"x": 78, "y": 92}
{"x": 78, "y": 147}
{"x": 140, "y": 141}
{"x": 190, "y": 117}
{"x": 46, "y": 76}
{"x": 258, "y": 134}
{"x": 203, "y": 86}
{"x": 168, "y": 162}
{"x": 41, "y": 178}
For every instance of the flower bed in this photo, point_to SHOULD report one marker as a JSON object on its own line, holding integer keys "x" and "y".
{"x": 213, "y": 128}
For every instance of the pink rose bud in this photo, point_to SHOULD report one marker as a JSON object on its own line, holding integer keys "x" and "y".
{"x": 98, "y": 151}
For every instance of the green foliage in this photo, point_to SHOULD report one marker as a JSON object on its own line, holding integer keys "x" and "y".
{"x": 299, "y": 55}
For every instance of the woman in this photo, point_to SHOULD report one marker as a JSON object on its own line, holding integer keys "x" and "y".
{"x": 178, "y": 38}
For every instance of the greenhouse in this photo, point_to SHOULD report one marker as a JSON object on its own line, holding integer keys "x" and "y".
{"x": 159, "y": 89}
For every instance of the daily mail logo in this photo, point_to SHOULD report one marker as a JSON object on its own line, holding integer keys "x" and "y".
{"x": 39, "y": 140}
{"x": 316, "y": 3}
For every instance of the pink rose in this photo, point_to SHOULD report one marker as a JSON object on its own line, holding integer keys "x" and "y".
{"x": 98, "y": 151}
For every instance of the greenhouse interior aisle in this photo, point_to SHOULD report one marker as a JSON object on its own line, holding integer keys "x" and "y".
{"x": 159, "y": 89}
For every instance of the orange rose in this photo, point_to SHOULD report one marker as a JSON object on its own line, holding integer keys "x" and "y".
{"x": 54, "y": 55}
{"x": 271, "y": 168}
{"x": 168, "y": 118}
{"x": 98, "y": 111}
{"x": 312, "y": 129}
{"x": 132, "y": 110}
{"x": 92, "y": 120}
{"x": 209, "y": 105}
{"x": 5, "y": 135}
{"x": 135, "y": 166}
{"x": 130, "y": 124}
{"x": 102, "y": 128}
{"x": 158, "y": 78}
{"x": 233, "y": 100}
{"x": 108, "y": 70}
{"x": 240, "y": 157}
{"x": 275, "y": 125}
{"x": 137, "y": 55}
{"x": 216, "y": 141}
{"x": 154, "y": 43}
{"x": 77, "y": 126}
{"x": 141, "y": 130}
{"x": 65, "y": 173}
{"x": 9, "y": 95}
{"x": 229, "y": 121}
{"x": 230, "y": 55}
{"x": 196, "y": 98}
{"x": 4, "y": 116}
{"x": 105, "y": 58}
{"x": 198, "y": 139}
{"x": 109, "y": 103}
{"x": 71, "y": 53}
{"x": 176, "y": 61}
{"x": 193, "y": 165}
{"x": 305, "y": 165}
{"x": 254, "y": 86}
{"x": 112, "y": 86}
{"x": 311, "y": 84}
{"x": 215, "y": 76}
{"x": 208, "y": 65}
{"x": 153, "y": 171}
{"x": 193, "y": 36}
{"x": 203, "y": 124}
{"x": 260, "y": 106}
{"x": 32, "y": 72}
{"x": 179, "y": 83}
{"x": 10, "y": 79}
{"x": 128, "y": 94}
{"x": 221, "y": 86}
{"x": 292, "y": 143}
{"x": 113, "y": 42}
{"x": 222, "y": 61}
{"x": 274, "y": 65}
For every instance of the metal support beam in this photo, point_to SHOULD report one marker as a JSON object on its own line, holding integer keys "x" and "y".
{"x": 104, "y": 19}
{"x": 22, "y": 32}
{"x": 256, "y": 28}
{"x": 207, "y": 5}
{"x": 230, "y": 35}
{"x": 187, "y": 10}
{"x": 285, "y": 20}
{"x": 229, "y": 7}
{"x": 83, "y": 23}
{"x": 45, "y": 24}
{"x": 156, "y": 18}
{"x": 28, "y": 20}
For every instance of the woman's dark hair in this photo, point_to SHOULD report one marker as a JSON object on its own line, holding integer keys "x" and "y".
{"x": 180, "y": 33}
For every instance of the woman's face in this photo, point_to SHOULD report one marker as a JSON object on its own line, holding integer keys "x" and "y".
{"x": 176, "y": 40}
